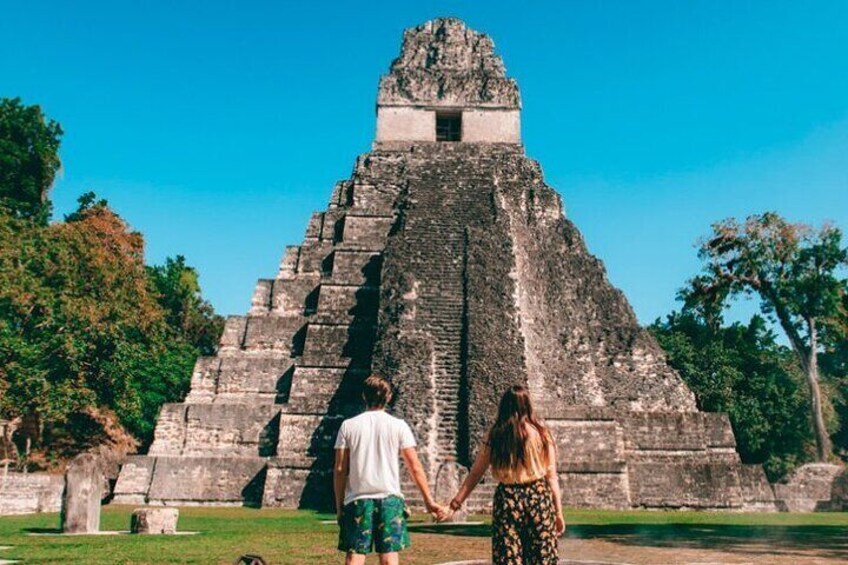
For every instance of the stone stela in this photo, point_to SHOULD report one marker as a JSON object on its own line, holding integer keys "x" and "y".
{"x": 446, "y": 264}
{"x": 81, "y": 498}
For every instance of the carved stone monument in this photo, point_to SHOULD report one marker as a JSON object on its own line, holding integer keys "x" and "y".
{"x": 445, "y": 263}
{"x": 82, "y": 495}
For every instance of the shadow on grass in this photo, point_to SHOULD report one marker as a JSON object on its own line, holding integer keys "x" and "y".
{"x": 821, "y": 541}
{"x": 42, "y": 530}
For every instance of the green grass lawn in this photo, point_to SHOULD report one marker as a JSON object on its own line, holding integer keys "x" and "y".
{"x": 299, "y": 537}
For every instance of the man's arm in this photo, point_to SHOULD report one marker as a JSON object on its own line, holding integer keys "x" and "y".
{"x": 340, "y": 472}
{"x": 419, "y": 477}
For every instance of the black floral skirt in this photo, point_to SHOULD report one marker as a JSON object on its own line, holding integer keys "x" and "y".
{"x": 524, "y": 524}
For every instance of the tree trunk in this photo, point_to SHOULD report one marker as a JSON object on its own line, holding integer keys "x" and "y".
{"x": 812, "y": 369}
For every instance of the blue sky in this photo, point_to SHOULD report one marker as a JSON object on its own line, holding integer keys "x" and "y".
{"x": 215, "y": 128}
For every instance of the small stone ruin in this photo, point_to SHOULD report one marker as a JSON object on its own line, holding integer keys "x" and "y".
{"x": 445, "y": 263}
{"x": 154, "y": 521}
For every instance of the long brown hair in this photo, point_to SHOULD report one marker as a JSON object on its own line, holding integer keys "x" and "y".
{"x": 509, "y": 435}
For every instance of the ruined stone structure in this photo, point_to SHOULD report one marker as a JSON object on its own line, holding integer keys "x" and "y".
{"x": 446, "y": 264}
{"x": 28, "y": 493}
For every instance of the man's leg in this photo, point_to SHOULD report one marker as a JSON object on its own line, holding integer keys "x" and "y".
{"x": 392, "y": 558}
{"x": 355, "y": 559}
{"x": 356, "y": 531}
{"x": 390, "y": 533}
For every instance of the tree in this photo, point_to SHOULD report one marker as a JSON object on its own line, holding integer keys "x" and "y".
{"x": 178, "y": 291}
{"x": 793, "y": 269}
{"x": 29, "y": 159}
{"x": 83, "y": 334}
{"x": 742, "y": 370}
{"x": 834, "y": 362}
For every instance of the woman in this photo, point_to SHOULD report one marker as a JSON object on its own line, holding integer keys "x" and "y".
{"x": 527, "y": 511}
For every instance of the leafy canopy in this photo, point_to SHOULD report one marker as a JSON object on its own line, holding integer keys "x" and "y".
{"x": 85, "y": 326}
{"x": 29, "y": 159}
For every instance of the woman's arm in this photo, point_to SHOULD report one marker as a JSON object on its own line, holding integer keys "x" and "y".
{"x": 553, "y": 480}
{"x": 419, "y": 477}
{"x": 474, "y": 476}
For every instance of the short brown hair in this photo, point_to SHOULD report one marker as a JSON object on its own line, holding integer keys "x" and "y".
{"x": 376, "y": 391}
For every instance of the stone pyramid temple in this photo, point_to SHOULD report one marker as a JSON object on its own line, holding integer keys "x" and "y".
{"x": 446, "y": 264}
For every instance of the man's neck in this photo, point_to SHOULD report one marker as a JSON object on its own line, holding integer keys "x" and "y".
{"x": 383, "y": 409}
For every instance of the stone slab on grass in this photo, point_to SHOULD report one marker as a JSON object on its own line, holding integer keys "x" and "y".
{"x": 154, "y": 520}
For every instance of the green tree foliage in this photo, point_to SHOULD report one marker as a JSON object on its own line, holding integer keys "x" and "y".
{"x": 178, "y": 289}
{"x": 834, "y": 362}
{"x": 85, "y": 327}
{"x": 795, "y": 272}
{"x": 92, "y": 342}
{"x": 743, "y": 371}
{"x": 29, "y": 159}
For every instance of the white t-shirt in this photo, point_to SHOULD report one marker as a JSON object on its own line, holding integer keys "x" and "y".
{"x": 374, "y": 439}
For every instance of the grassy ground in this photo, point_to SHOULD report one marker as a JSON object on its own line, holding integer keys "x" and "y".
{"x": 299, "y": 537}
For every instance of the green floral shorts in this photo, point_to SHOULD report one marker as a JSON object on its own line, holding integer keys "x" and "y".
{"x": 374, "y": 522}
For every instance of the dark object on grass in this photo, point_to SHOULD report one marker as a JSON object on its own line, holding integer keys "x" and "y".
{"x": 249, "y": 559}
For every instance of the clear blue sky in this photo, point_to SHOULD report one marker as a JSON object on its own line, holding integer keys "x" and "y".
{"x": 215, "y": 128}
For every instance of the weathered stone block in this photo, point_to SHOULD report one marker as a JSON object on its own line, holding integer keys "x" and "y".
{"x": 360, "y": 268}
{"x": 312, "y": 257}
{"x": 284, "y": 485}
{"x": 261, "y": 377}
{"x": 690, "y": 484}
{"x": 134, "y": 480}
{"x": 169, "y": 436}
{"x": 288, "y": 264}
{"x": 233, "y": 335}
{"x": 664, "y": 431}
{"x": 595, "y": 489}
{"x": 377, "y": 199}
{"x": 344, "y": 304}
{"x": 317, "y": 390}
{"x": 270, "y": 333}
{"x": 366, "y": 232}
{"x": 260, "y": 303}
{"x": 230, "y": 429}
{"x": 313, "y": 229}
{"x": 291, "y": 296}
{"x": 589, "y": 442}
{"x": 154, "y": 521}
{"x": 204, "y": 379}
{"x": 812, "y": 487}
{"x": 757, "y": 493}
{"x": 334, "y": 345}
{"x": 223, "y": 481}
{"x": 305, "y": 438}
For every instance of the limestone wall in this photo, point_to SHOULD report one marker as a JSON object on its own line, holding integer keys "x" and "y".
{"x": 25, "y": 493}
{"x": 491, "y": 126}
{"x": 398, "y": 123}
{"x": 403, "y": 123}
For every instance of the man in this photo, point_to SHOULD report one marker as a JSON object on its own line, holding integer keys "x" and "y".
{"x": 369, "y": 504}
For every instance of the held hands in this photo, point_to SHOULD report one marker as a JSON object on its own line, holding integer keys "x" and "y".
{"x": 439, "y": 512}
